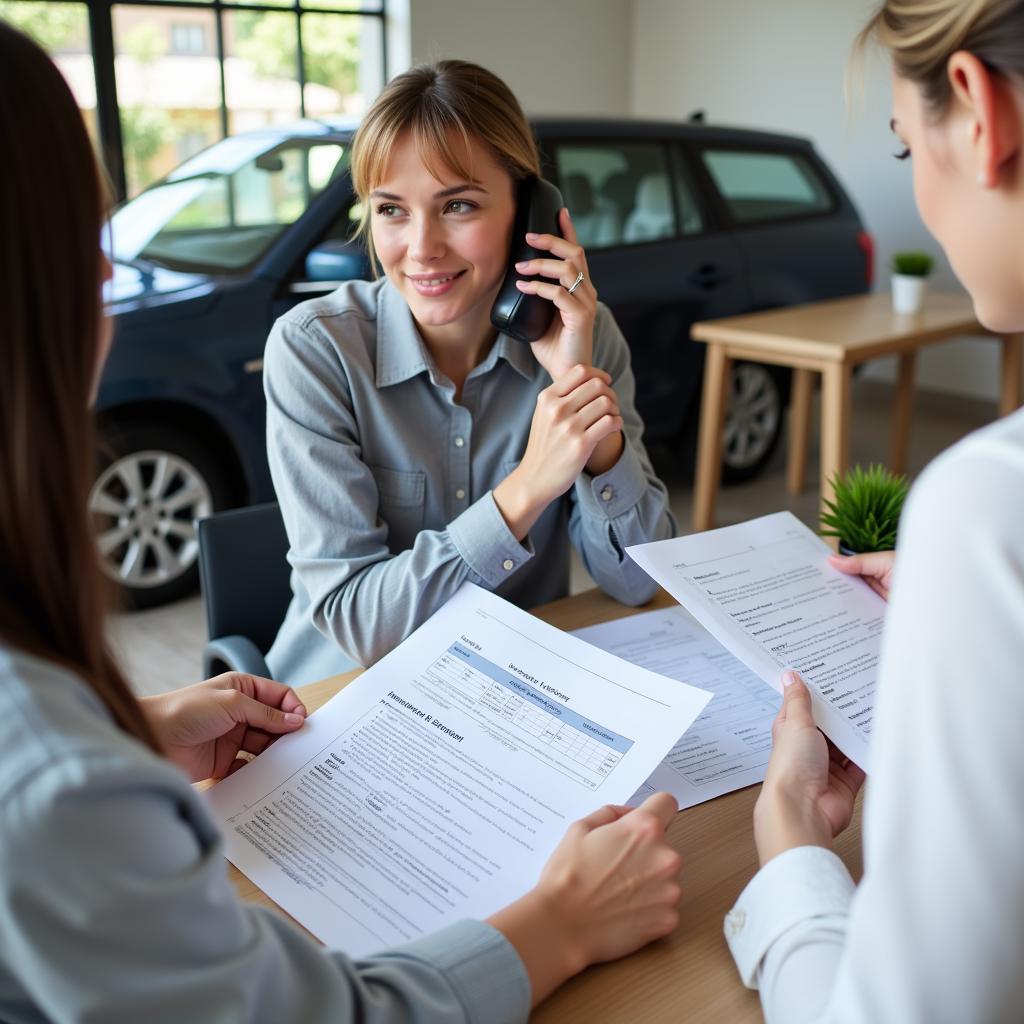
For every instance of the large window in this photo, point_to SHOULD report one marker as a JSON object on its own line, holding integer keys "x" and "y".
{"x": 159, "y": 81}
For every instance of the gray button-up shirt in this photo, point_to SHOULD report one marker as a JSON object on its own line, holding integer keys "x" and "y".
{"x": 385, "y": 481}
{"x": 115, "y": 904}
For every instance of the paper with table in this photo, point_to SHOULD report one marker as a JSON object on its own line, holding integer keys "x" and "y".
{"x": 765, "y": 589}
{"x": 436, "y": 785}
{"x": 727, "y": 747}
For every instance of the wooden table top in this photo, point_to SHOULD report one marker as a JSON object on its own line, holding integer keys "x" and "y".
{"x": 851, "y": 329}
{"x": 689, "y": 975}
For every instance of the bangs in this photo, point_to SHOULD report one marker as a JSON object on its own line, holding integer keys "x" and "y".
{"x": 442, "y": 144}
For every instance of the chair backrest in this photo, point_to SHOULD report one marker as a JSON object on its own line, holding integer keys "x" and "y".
{"x": 244, "y": 572}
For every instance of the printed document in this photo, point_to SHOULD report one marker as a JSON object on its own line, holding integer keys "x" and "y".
{"x": 727, "y": 747}
{"x": 765, "y": 589}
{"x": 435, "y": 786}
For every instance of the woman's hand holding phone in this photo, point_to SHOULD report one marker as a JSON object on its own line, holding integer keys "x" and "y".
{"x": 573, "y": 416}
{"x": 570, "y": 338}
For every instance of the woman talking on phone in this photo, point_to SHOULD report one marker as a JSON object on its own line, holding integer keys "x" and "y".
{"x": 115, "y": 904}
{"x": 412, "y": 446}
{"x": 935, "y": 930}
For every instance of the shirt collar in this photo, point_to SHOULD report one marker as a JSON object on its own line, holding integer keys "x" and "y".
{"x": 402, "y": 355}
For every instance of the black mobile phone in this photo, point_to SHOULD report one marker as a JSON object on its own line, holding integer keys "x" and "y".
{"x": 527, "y": 317}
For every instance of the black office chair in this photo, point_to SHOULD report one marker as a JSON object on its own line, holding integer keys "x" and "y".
{"x": 244, "y": 575}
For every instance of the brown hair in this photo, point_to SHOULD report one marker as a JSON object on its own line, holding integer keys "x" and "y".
{"x": 52, "y": 207}
{"x": 922, "y": 35}
{"x": 439, "y": 103}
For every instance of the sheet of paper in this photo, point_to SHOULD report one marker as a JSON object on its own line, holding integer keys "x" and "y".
{"x": 765, "y": 589}
{"x": 727, "y": 747}
{"x": 436, "y": 785}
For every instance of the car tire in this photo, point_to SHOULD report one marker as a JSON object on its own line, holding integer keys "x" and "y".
{"x": 151, "y": 484}
{"x": 753, "y": 420}
{"x": 753, "y": 424}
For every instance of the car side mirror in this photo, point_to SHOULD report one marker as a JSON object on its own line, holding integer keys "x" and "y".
{"x": 337, "y": 260}
{"x": 270, "y": 162}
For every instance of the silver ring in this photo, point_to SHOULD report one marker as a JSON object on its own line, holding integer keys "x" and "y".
{"x": 576, "y": 283}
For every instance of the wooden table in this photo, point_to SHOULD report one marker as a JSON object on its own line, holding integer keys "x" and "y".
{"x": 829, "y": 338}
{"x": 690, "y": 975}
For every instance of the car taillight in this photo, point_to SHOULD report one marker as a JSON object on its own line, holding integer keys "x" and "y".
{"x": 867, "y": 246}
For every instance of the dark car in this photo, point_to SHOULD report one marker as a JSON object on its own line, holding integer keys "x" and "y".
{"x": 680, "y": 221}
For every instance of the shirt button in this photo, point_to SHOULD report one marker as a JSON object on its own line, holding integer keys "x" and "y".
{"x": 508, "y": 565}
{"x": 607, "y": 493}
{"x": 734, "y": 922}
{"x": 460, "y": 494}
{"x": 460, "y": 442}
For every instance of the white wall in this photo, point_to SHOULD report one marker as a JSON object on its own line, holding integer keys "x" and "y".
{"x": 558, "y": 56}
{"x": 780, "y": 65}
{"x": 777, "y": 65}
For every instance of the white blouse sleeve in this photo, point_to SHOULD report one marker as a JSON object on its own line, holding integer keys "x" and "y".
{"x": 935, "y": 931}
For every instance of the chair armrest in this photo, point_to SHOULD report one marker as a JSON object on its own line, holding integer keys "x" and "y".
{"x": 233, "y": 654}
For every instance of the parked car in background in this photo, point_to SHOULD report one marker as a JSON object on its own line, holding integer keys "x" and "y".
{"x": 681, "y": 222}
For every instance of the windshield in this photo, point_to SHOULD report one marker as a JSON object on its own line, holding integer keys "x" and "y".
{"x": 222, "y": 210}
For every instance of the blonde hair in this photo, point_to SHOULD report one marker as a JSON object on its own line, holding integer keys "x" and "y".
{"x": 922, "y": 35}
{"x": 441, "y": 104}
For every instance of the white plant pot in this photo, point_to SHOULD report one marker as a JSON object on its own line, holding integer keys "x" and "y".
{"x": 908, "y": 293}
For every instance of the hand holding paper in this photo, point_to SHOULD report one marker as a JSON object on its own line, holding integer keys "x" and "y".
{"x": 767, "y": 591}
{"x": 436, "y": 785}
{"x": 809, "y": 794}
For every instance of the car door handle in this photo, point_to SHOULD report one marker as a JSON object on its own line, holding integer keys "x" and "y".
{"x": 708, "y": 276}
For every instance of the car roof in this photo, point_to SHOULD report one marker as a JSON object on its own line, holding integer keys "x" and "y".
{"x": 565, "y": 127}
{"x": 641, "y": 128}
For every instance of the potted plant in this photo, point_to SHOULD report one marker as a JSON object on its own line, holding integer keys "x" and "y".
{"x": 910, "y": 272}
{"x": 865, "y": 510}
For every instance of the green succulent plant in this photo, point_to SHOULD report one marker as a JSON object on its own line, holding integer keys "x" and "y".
{"x": 865, "y": 508}
{"x": 912, "y": 264}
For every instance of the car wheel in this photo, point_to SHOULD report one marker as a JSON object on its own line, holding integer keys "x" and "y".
{"x": 753, "y": 420}
{"x": 151, "y": 485}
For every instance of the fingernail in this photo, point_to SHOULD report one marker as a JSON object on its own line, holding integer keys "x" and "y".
{"x": 293, "y": 719}
{"x": 521, "y": 285}
{"x": 788, "y": 678}
{"x": 567, "y": 213}
{"x": 301, "y": 710}
{"x": 522, "y": 265}
{"x": 531, "y": 235}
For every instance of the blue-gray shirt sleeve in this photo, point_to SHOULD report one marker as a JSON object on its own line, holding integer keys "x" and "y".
{"x": 115, "y": 906}
{"x": 628, "y": 504}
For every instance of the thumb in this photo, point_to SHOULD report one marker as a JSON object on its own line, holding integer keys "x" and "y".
{"x": 662, "y": 806}
{"x": 796, "y": 699}
{"x": 872, "y": 563}
{"x": 262, "y": 716}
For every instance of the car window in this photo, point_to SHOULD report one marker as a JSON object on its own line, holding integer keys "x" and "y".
{"x": 224, "y": 219}
{"x": 622, "y": 194}
{"x": 762, "y": 186}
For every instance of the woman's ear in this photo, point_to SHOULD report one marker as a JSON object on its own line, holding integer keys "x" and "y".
{"x": 990, "y": 110}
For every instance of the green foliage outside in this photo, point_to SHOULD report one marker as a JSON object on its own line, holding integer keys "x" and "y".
{"x": 54, "y": 27}
{"x": 144, "y": 131}
{"x": 912, "y": 264}
{"x": 330, "y": 45}
{"x": 864, "y": 512}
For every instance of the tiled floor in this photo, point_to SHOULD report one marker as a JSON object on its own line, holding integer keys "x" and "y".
{"x": 161, "y": 648}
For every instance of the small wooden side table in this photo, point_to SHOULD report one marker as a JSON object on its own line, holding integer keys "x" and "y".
{"x": 829, "y": 338}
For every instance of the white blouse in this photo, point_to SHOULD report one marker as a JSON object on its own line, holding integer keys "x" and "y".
{"x": 935, "y": 930}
